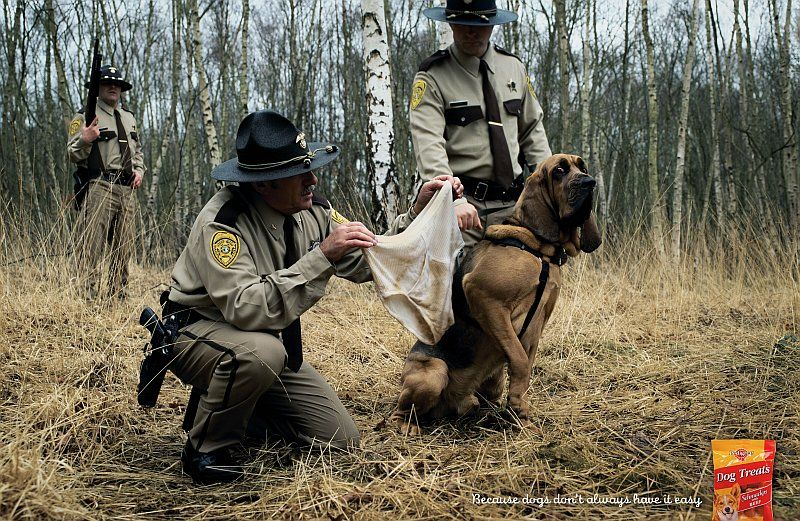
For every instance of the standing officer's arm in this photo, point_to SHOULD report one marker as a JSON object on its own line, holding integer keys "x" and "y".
{"x": 138, "y": 161}
{"x": 250, "y": 300}
{"x": 79, "y": 142}
{"x": 532, "y": 137}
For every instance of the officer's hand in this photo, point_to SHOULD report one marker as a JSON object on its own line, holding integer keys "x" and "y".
{"x": 137, "y": 180}
{"x": 90, "y": 133}
{"x": 430, "y": 188}
{"x": 467, "y": 216}
{"x": 346, "y": 237}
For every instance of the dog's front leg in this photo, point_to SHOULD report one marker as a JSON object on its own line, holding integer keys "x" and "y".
{"x": 498, "y": 326}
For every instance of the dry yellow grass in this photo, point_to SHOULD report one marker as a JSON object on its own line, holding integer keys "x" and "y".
{"x": 642, "y": 365}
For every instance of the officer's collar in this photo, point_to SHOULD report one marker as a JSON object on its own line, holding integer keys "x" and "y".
{"x": 272, "y": 218}
{"x": 106, "y": 107}
{"x": 472, "y": 63}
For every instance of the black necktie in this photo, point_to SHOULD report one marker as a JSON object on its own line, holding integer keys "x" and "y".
{"x": 292, "y": 336}
{"x": 503, "y": 171}
{"x": 124, "y": 149}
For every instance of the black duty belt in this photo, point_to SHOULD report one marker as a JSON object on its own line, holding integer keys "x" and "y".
{"x": 482, "y": 190}
{"x": 117, "y": 177}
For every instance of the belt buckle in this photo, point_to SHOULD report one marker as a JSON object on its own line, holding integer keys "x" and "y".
{"x": 481, "y": 189}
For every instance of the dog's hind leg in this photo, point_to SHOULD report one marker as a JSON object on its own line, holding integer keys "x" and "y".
{"x": 491, "y": 390}
{"x": 423, "y": 380}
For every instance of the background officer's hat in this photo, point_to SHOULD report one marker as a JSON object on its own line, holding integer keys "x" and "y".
{"x": 470, "y": 12}
{"x": 110, "y": 74}
{"x": 269, "y": 147}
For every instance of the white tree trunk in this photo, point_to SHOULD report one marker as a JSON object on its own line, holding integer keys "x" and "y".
{"x": 680, "y": 162}
{"x": 205, "y": 98}
{"x": 444, "y": 35}
{"x": 380, "y": 132}
{"x": 656, "y": 201}
{"x": 712, "y": 93}
{"x": 243, "y": 94}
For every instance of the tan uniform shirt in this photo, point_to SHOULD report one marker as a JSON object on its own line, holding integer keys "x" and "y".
{"x": 236, "y": 274}
{"x": 107, "y": 142}
{"x": 448, "y": 116}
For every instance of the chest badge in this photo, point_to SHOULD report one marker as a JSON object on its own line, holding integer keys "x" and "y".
{"x": 512, "y": 86}
{"x": 225, "y": 248}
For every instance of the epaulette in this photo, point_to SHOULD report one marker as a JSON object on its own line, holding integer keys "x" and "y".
{"x": 507, "y": 53}
{"x": 82, "y": 110}
{"x": 230, "y": 210}
{"x": 433, "y": 58}
{"x": 126, "y": 109}
{"x": 321, "y": 201}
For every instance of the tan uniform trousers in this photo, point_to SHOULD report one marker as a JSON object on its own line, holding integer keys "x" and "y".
{"x": 501, "y": 211}
{"x": 250, "y": 390}
{"x": 106, "y": 235}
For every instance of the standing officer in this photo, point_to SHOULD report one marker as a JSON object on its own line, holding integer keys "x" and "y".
{"x": 258, "y": 256}
{"x": 115, "y": 171}
{"x": 474, "y": 115}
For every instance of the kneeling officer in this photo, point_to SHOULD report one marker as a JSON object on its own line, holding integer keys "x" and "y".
{"x": 258, "y": 256}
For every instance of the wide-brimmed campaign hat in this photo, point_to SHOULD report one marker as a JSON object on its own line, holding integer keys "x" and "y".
{"x": 269, "y": 147}
{"x": 470, "y": 12}
{"x": 110, "y": 74}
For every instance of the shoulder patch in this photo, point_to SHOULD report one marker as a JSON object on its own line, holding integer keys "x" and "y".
{"x": 225, "y": 248}
{"x": 337, "y": 217}
{"x": 438, "y": 56}
{"x": 417, "y": 92}
{"x": 506, "y": 52}
{"x": 75, "y": 126}
{"x": 320, "y": 200}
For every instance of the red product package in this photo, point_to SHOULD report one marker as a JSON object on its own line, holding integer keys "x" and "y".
{"x": 743, "y": 479}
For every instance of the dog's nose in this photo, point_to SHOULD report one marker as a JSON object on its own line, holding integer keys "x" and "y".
{"x": 587, "y": 182}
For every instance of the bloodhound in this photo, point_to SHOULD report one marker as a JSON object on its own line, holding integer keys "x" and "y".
{"x": 504, "y": 293}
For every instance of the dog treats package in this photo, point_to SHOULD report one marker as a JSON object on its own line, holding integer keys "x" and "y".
{"x": 743, "y": 479}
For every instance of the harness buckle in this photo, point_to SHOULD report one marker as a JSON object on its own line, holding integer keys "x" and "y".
{"x": 481, "y": 189}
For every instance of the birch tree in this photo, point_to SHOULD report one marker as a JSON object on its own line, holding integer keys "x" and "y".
{"x": 444, "y": 35}
{"x": 205, "y": 99}
{"x": 712, "y": 94}
{"x": 563, "y": 68}
{"x": 243, "y": 92}
{"x": 680, "y": 160}
{"x": 656, "y": 201}
{"x": 380, "y": 134}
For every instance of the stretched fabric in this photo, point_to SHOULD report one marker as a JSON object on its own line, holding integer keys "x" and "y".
{"x": 413, "y": 271}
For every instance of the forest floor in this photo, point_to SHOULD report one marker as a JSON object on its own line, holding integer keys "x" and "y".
{"x": 642, "y": 365}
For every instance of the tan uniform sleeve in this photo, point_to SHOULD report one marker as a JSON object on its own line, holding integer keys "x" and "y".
{"x": 532, "y": 137}
{"x": 253, "y": 301}
{"x": 426, "y": 118}
{"x": 77, "y": 149}
{"x": 138, "y": 157}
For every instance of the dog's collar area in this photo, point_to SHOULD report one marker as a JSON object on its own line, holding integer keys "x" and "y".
{"x": 559, "y": 258}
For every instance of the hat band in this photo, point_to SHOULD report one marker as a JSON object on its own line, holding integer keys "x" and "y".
{"x": 484, "y": 15}
{"x": 305, "y": 159}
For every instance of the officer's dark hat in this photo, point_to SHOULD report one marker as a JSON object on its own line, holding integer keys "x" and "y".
{"x": 470, "y": 12}
{"x": 269, "y": 147}
{"x": 110, "y": 74}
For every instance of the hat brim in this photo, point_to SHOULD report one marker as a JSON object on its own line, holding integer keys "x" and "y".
{"x": 230, "y": 171}
{"x": 439, "y": 14}
{"x": 123, "y": 85}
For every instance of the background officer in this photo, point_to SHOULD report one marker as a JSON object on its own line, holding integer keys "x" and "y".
{"x": 258, "y": 256}
{"x": 474, "y": 115}
{"x": 107, "y": 213}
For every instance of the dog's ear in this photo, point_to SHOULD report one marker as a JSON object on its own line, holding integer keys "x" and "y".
{"x": 590, "y": 235}
{"x": 534, "y": 207}
{"x": 736, "y": 491}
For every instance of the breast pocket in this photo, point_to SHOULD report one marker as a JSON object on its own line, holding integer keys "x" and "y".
{"x": 513, "y": 106}
{"x": 463, "y": 116}
{"x": 106, "y": 135}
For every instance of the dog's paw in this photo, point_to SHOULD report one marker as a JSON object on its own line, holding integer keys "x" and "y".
{"x": 405, "y": 426}
{"x": 520, "y": 409}
{"x": 468, "y": 405}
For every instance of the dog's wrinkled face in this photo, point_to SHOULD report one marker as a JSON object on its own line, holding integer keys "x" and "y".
{"x": 572, "y": 188}
{"x": 557, "y": 199}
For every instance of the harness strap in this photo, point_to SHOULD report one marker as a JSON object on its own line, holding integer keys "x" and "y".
{"x": 543, "y": 276}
